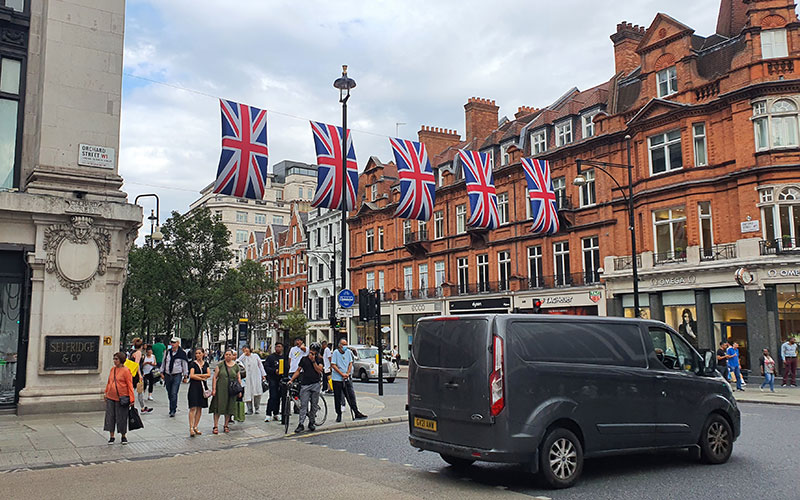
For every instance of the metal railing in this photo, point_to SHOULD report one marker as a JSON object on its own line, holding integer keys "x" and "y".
{"x": 624, "y": 262}
{"x": 787, "y": 244}
{"x": 675, "y": 257}
{"x": 416, "y": 237}
{"x": 718, "y": 252}
{"x": 562, "y": 280}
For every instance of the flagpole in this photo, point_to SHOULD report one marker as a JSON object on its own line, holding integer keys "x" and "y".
{"x": 344, "y": 84}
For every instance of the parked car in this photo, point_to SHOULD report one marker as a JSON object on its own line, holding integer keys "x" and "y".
{"x": 549, "y": 391}
{"x": 365, "y": 368}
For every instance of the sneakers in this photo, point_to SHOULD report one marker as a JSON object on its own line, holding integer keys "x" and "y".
{"x": 146, "y": 410}
{"x": 300, "y": 428}
{"x": 311, "y": 427}
{"x": 171, "y": 415}
{"x": 360, "y": 416}
{"x": 783, "y": 385}
{"x": 150, "y": 397}
{"x": 111, "y": 440}
{"x": 276, "y": 418}
{"x": 248, "y": 412}
{"x": 124, "y": 440}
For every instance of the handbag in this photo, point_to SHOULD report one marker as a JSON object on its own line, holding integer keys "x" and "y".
{"x": 206, "y": 390}
{"x": 123, "y": 400}
{"x": 234, "y": 387}
{"x": 134, "y": 420}
{"x": 264, "y": 386}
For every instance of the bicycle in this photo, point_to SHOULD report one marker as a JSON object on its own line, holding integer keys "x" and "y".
{"x": 292, "y": 400}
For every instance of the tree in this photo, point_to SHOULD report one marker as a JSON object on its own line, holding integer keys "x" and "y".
{"x": 196, "y": 246}
{"x": 295, "y": 323}
{"x": 257, "y": 291}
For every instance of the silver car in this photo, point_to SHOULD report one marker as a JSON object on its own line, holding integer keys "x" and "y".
{"x": 365, "y": 368}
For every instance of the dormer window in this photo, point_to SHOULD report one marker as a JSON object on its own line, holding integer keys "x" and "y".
{"x": 539, "y": 142}
{"x": 373, "y": 192}
{"x": 505, "y": 156}
{"x": 587, "y": 121}
{"x": 563, "y": 133}
{"x": 773, "y": 44}
{"x": 667, "y": 81}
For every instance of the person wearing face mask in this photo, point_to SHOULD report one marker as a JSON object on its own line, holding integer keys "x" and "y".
{"x": 341, "y": 375}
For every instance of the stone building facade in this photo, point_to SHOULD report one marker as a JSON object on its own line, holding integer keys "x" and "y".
{"x": 65, "y": 225}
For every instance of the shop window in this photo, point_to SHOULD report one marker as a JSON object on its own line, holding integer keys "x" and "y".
{"x": 788, "y": 310}
{"x": 463, "y": 275}
{"x": 684, "y": 319}
{"x": 665, "y": 152}
{"x": 730, "y": 324}
{"x": 778, "y": 127}
{"x": 773, "y": 44}
{"x": 483, "y": 272}
{"x": 438, "y": 224}
{"x": 670, "y": 234}
{"x": 667, "y": 81}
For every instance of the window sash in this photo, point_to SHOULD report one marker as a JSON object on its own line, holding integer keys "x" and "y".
{"x": 461, "y": 219}
{"x": 667, "y": 81}
{"x": 700, "y": 151}
{"x": 564, "y": 133}
{"x": 774, "y": 44}
{"x": 438, "y": 224}
{"x": 539, "y": 142}
{"x": 666, "y": 154}
{"x": 502, "y": 207}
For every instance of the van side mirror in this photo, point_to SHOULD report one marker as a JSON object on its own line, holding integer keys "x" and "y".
{"x": 709, "y": 363}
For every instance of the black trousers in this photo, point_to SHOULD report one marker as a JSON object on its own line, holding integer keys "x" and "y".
{"x": 149, "y": 382}
{"x": 276, "y": 395}
{"x": 346, "y": 388}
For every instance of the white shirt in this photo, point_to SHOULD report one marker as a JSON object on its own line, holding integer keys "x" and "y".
{"x": 294, "y": 358}
{"x": 148, "y": 368}
{"x": 326, "y": 358}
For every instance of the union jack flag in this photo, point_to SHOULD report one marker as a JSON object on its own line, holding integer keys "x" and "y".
{"x": 544, "y": 208}
{"x": 417, "y": 184}
{"x": 480, "y": 187}
{"x": 328, "y": 143}
{"x": 243, "y": 162}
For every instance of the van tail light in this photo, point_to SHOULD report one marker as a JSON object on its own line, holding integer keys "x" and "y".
{"x": 497, "y": 386}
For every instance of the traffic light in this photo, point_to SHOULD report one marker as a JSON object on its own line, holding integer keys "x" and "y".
{"x": 366, "y": 305}
{"x": 537, "y": 306}
{"x": 333, "y": 320}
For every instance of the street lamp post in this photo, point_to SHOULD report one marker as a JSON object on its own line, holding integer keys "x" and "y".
{"x": 155, "y": 229}
{"x": 344, "y": 84}
{"x": 580, "y": 180}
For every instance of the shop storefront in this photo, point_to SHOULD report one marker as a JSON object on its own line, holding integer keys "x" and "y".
{"x": 406, "y": 317}
{"x": 578, "y": 303}
{"x": 13, "y": 344}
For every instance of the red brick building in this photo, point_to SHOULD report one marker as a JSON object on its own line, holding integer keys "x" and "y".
{"x": 283, "y": 253}
{"x": 715, "y": 150}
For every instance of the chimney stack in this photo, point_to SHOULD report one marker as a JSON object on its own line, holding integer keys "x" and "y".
{"x": 626, "y": 39}
{"x": 525, "y": 110}
{"x": 480, "y": 117}
{"x": 436, "y": 140}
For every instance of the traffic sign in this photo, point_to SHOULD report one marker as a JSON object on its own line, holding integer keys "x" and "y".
{"x": 346, "y": 298}
{"x": 344, "y": 313}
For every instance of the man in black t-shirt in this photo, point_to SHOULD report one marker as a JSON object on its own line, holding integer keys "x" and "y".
{"x": 722, "y": 359}
{"x": 310, "y": 373}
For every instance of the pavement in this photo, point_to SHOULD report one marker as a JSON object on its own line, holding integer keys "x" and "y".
{"x": 75, "y": 439}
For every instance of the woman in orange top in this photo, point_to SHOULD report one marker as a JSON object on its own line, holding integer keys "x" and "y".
{"x": 119, "y": 386}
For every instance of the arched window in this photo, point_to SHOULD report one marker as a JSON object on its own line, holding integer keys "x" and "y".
{"x": 781, "y": 217}
{"x": 776, "y": 126}
{"x": 789, "y": 194}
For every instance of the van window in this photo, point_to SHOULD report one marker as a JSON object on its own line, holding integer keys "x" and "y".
{"x": 598, "y": 344}
{"x": 451, "y": 344}
{"x": 672, "y": 351}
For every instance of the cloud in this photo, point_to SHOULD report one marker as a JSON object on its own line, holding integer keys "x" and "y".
{"x": 415, "y": 62}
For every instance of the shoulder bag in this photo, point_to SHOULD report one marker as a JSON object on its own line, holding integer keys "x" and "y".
{"x": 234, "y": 387}
{"x": 123, "y": 400}
{"x": 206, "y": 390}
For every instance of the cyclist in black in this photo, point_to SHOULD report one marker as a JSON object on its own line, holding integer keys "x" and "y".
{"x": 310, "y": 374}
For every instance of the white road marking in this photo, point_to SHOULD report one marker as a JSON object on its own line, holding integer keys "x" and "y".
{"x": 384, "y": 459}
{"x": 409, "y": 465}
{"x": 362, "y": 454}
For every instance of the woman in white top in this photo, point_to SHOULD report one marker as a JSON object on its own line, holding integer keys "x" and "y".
{"x": 148, "y": 364}
{"x": 254, "y": 369}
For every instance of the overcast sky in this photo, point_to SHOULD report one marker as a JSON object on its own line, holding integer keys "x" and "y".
{"x": 415, "y": 62}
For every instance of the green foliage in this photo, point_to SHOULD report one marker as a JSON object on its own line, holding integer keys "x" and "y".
{"x": 295, "y": 323}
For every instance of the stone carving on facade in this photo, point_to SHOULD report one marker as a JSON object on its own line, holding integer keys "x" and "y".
{"x": 83, "y": 206}
{"x": 77, "y": 252}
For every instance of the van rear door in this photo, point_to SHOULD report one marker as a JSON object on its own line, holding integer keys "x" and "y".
{"x": 448, "y": 383}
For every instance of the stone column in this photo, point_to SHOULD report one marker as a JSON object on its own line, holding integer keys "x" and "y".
{"x": 705, "y": 319}
{"x": 656, "y": 307}
{"x": 758, "y": 331}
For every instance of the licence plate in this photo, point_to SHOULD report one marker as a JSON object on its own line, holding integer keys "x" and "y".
{"x": 425, "y": 424}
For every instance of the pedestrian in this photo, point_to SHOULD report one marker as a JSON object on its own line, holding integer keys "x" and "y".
{"x": 119, "y": 399}
{"x": 295, "y": 353}
{"x": 342, "y": 365}
{"x": 767, "y": 370}
{"x": 722, "y": 360}
{"x": 253, "y": 389}
{"x": 789, "y": 358}
{"x": 395, "y": 356}
{"x": 311, "y": 368}
{"x": 198, "y": 374}
{"x": 149, "y": 364}
{"x": 158, "y": 351}
{"x": 174, "y": 370}
{"x": 222, "y": 401}
{"x": 275, "y": 369}
{"x": 326, "y": 367}
{"x": 733, "y": 364}
{"x": 137, "y": 357}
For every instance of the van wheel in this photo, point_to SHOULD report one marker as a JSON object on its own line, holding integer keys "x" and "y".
{"x": 458, "y": 463}
{"x": 363, "y": 376}
{"x": 716, "y": 440}
{"x": 390, "y": 380}
{"x": 561, "y": 458}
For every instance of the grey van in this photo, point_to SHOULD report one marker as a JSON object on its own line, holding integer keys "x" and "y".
{"x": 548, "y": 391}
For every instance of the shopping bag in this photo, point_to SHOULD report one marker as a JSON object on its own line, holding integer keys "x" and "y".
{"x": 239, "y": 415}
{"x": 133, "y": 366}
{"x": 134, "y": 420}
{"x": 330, "y": 384}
